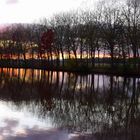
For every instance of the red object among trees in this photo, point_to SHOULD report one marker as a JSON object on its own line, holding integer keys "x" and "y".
{"x": 17, "y": 36}
{"x": 47, "y": 39}
{"x": 14, "y": 37}
{"x": 7, "y": 56}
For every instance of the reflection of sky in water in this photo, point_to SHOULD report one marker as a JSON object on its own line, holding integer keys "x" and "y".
{"x": 23, "y": 125}
{"x": 37, "y": 105}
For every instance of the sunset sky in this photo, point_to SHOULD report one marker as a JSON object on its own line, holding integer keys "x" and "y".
{"x": 27, "y": 11}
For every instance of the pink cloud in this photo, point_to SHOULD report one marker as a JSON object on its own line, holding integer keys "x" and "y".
{"x": 11, "y": 1}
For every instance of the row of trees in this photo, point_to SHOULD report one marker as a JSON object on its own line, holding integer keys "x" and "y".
{"x": 107, "y": 32}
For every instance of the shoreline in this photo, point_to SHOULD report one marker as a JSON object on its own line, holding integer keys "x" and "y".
{"x": 104, "y": 71}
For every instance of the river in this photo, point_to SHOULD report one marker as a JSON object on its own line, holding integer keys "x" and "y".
{"x": 46, "y": 105}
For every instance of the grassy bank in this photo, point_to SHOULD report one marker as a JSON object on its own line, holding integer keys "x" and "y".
{"x": 70, "y": 66}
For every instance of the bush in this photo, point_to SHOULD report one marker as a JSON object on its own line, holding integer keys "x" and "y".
{"x": 73, "y": 65}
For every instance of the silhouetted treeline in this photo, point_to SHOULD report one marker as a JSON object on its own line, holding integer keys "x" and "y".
{"x": 110, "y": 32}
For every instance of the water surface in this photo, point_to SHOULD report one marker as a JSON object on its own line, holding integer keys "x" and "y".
{"x": 46, "y": 105}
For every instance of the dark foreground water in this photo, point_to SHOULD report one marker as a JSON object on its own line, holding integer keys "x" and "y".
{"x": 45, "y": 105}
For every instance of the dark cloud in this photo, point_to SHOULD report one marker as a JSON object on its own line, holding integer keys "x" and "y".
{"x": 10, "y": 124}
{"x": 36, "y": 133}
{"x": 11, "y": 1}
{"x": 40, "y": 134}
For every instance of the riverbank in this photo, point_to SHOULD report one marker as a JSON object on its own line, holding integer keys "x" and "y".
{"x": 117, "y": 70}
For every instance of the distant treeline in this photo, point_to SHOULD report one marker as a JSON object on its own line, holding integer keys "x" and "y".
{"x": 112, "y": 31}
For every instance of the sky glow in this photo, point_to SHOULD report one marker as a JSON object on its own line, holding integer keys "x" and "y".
{"x": 27, "y": 11}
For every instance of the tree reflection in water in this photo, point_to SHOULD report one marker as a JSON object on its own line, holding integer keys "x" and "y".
{"x": 104, "y": 106}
